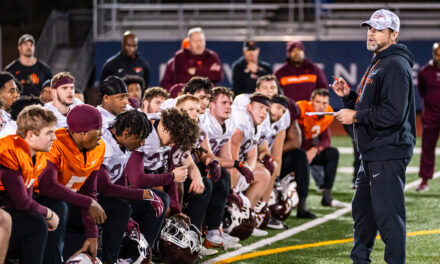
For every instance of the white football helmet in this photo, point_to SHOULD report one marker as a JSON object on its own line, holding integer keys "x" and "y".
{"x": 83, "y": 258}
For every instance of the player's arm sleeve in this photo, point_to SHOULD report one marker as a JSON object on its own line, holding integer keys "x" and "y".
{"x": 324, "y": 140}
{"x": 90, "y": 229}
{"x": 175, "y": 206}
{"x": 139, "y": 179}
{"x": 390, "y": 110}
{"x": 20, "y": 198}
{"x": 49, "y": 186}
{"x": 108, "y": 189}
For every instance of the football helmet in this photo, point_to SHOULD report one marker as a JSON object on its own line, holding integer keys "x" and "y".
{"x": 283, "y": 198}
{"x": 239, "y": 221}
{"x": 262, "y": 214}
{"x": 178, "y": 243}
{"x": 83, "y": 258}
{"x": 135, "y": 248}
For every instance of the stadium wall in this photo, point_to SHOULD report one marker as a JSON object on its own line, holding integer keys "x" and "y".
{"x": 348, "y": 59}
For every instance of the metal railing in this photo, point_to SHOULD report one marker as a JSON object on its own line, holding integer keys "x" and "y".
{"x": 273, "y": 20}
{"x": 55, "y": 32}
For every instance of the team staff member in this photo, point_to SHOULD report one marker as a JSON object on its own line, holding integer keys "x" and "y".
{"x": 127, "y": 61}
{"x": 429, "y": 90}
{"x": 316, "y": 140}
{"x": 197, "y": 60}
{"x": 298, "y": 76}
{"x": 384, "y": 117}
{"x": 21, "y": 161}
{"x": 248, "y": 68}
{"x": 27, "y": 69}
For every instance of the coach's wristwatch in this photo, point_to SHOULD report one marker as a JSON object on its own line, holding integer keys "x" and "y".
{"x": 354, "y": 118}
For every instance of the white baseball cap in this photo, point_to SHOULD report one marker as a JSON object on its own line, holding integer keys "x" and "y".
{"x": 383, "y": 19}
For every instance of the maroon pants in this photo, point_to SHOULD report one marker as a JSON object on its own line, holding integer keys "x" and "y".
{"x": 429, "y": 141}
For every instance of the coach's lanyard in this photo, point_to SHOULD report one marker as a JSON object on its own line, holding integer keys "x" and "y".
{"x": 364, "y": 79}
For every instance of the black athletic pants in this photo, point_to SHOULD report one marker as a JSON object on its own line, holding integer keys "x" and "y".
{"x": 217, "y": 202}
{"x": 56, "y": 238}
{"x": 356, "y": 155}
{"x": 379, "y": 205}
{"x": 328, "y": 158}
{"x": 145, "y": 215}
{"x": 118, "y": 212}
{"x": 194, "y": 205}
{"x": 296, "y": 160}
{"x": 29, "y": 236}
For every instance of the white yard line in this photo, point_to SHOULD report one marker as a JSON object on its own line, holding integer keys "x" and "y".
{"x": 350, "y": 170}
{"x": 298, "y": 229}
{"x": 349, "y": 150}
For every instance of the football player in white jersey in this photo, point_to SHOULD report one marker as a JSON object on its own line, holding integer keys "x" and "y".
{"x": 207, "y": 161}
{"x": 9, "y": 93}
{"x": 244, "y": 146}
{"x": 126, "y": 134}
{"x": 173, "y": 128}
{"x": 114, "y": 96}
{"x": 10, "y": 127}
{"x": 62, "y": 88}
{"x": 153, "y": 99}
{"x": 270, "y": 149}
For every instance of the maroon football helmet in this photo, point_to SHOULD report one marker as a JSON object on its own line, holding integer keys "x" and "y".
{"x": 178, "y": 244}
{"x": 239, "y": 221}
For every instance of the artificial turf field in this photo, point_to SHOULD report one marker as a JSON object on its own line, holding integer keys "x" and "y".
{"x": 423, "y": 214}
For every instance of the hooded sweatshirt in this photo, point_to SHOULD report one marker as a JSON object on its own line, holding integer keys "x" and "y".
{"x": 298, "y": 82}
{"x": 385, "y": 107}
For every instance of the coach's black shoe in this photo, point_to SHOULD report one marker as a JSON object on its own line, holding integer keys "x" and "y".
{"x": 305, "y": 214}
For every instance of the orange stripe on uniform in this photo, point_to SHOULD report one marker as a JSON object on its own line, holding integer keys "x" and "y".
{"x": 294, "y": 79}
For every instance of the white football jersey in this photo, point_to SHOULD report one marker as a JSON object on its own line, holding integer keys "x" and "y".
{"x": 155, "y": 155}
{"x": 168, "y": 103}
{"x": 276, "y": 127}
{"x": 8, "y": 126}
{"x": 269, "y": 130}
{"x": 214, "y": 131}
{"x": 242, "y": 100}
{"x": 114, "y": 159}
{"x": 61, "y": 119}
{"x": 108, "y": 118}
{"x": 243, "y": 120}
{"x": 180, "y": 156}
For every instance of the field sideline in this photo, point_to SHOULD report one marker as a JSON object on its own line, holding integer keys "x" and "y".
{"x": 330, "y": 241}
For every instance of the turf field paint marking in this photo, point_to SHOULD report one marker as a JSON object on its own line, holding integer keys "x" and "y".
{"x": 295, "y": 230}
{"x": 312, "y": 245}
{"x": 282, "y": 235}
{"x": 349, "y": 150}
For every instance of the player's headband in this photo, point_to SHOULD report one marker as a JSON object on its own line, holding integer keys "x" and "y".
{"x": 64, "y": 80}
{"x": 260, "y": 99}
{"x": 280, "y": 100}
